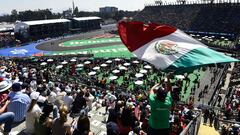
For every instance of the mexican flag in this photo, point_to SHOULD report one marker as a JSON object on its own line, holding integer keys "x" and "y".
{"x": 166, "y": 47}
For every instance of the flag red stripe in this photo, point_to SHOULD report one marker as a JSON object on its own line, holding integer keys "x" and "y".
{"x": 136, "y": 34}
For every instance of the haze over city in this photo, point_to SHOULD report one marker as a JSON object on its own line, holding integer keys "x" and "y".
{"x": 7, "y": 6}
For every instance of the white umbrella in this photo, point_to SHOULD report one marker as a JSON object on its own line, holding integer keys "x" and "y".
{"x": 92, "y": 73}
{"x": 73, "y": 60}
{"x": 126, "y": 64}
{"x": 116, "y": 71}
{"x": 108, "y": 61}
{"x": 122, "y": 68}
{"x": 117, "y": 59}
{"x": 138, "y": 82}
{"x": 180, "y": 77}
{"x": 87, "y": 62}
{"x": 135, "y": 62}
{"x": 59, "y": 66}
{"x": 113, "y": 78}
{"x": 226, "y": 39}
{"x": 139, "y": 75}
{"x": 96, "y": 68}
{"x": 24, "y": 69}
{"x": 103, "y": 65}
{"x": 143, "y": 71}
{"x": 79, "y": 65}
{"x": 50, "y": 60}
{"x": 43, "y": 63}
{"x": 147, "y": 67}
{"x": 64, "y": 62}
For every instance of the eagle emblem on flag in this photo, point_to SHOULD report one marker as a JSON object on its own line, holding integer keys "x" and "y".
{"x": 166, "y": 47}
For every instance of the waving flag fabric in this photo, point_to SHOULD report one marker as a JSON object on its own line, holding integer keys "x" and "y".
{"x": 167, "y": 47}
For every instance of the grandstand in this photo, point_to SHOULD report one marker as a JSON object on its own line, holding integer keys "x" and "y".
{"x": 199, "y": 17}
{"x": 34, "y": 30}
{"x": 41, "y": 29}
{"x": 83, "y": 24}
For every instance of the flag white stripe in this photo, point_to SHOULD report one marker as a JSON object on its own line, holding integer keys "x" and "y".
{"x": 183, "y": 41}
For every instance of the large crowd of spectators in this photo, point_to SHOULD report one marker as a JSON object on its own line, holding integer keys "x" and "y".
{"x": 46, "y": 92}
{"x": 195, "y": 17}
{"x": 7, "y": 40}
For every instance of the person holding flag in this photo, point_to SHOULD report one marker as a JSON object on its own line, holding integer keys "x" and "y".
{"x": 161, "y": 101}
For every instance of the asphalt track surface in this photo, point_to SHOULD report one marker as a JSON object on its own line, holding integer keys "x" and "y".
{"x": 54, "y": 44}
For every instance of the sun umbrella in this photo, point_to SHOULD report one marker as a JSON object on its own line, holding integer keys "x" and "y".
{"x": 73, "y": 60}
{"x": 117, "y": 59}
{"x": 139, "y": 75}
{"x": 108, "y": 61}
{"x": 138, "y": 82}
{"x": 87, "y": 62}
{"x": 135, "y": 62}
{"x": 126, "y": 64}
{"x": 64, "y": 62}
{"x": 147, "y": 67}
{"x": 113, "y": 78}
{"x": 92, "y": 73}
{"x": 59, "y": 66}
{"x": 80, "y": 65}
{"x": 43, "y": 64}
{"x": 180, "y": 77}
{"x": 96, "y": 68}
{"x": 143, "y": 71}
{"x": 116, "y": 71}
{"x": 122, "y": 68}
{"x": 103, "y": 65}
{"x": 50, "y": 60}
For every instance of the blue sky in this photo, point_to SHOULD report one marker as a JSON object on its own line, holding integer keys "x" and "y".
{"x": 59, "y": 5}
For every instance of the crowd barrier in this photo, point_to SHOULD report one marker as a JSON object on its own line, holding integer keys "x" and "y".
{"x": 193, "y": 127}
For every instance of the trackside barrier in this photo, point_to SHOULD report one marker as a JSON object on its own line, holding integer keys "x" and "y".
{"x": 193, "y": 127}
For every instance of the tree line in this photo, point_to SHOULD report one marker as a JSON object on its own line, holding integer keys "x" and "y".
{"x": 41, "y": 14}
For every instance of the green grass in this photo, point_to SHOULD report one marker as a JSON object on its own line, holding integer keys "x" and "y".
{"x": 85, "y": 42}
{"x": 99, "y": 52}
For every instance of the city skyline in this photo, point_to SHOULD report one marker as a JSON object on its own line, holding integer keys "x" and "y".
{"x": 60, "y": 5}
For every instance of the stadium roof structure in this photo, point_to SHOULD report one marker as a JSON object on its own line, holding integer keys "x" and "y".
{"x": 86, "y": 18}
{"x": 39, "y": 22}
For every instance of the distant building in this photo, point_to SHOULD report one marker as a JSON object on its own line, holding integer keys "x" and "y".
{"x": 41, "y": 29}
{"x": 82, "y": 24}
{"x": 108, "y": 9}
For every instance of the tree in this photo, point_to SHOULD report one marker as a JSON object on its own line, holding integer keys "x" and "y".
{"x": 75, "y": 11}
{"x": 14, "y": 15}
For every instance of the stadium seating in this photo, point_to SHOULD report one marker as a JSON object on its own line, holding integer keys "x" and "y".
{"x": 218, "y": 18}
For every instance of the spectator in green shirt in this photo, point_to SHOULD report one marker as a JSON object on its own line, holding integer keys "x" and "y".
{"x": 160, "y": 100}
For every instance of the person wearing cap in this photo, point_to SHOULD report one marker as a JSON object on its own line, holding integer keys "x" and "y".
{"x": 33, "y": 113}
{"x": 19, "y": 102}
{"x": 160, "y": 100}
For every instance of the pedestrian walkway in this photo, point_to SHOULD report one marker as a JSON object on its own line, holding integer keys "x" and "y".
{"x": 206, "y": 130}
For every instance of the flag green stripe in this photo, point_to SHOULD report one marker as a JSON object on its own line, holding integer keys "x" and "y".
{"x": 198, "y": 57}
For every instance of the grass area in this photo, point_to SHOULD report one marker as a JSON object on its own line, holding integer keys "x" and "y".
{"x": 99, "y": 52}
{"x": 84, "y": 42}
{"x": 153, "y": 77}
